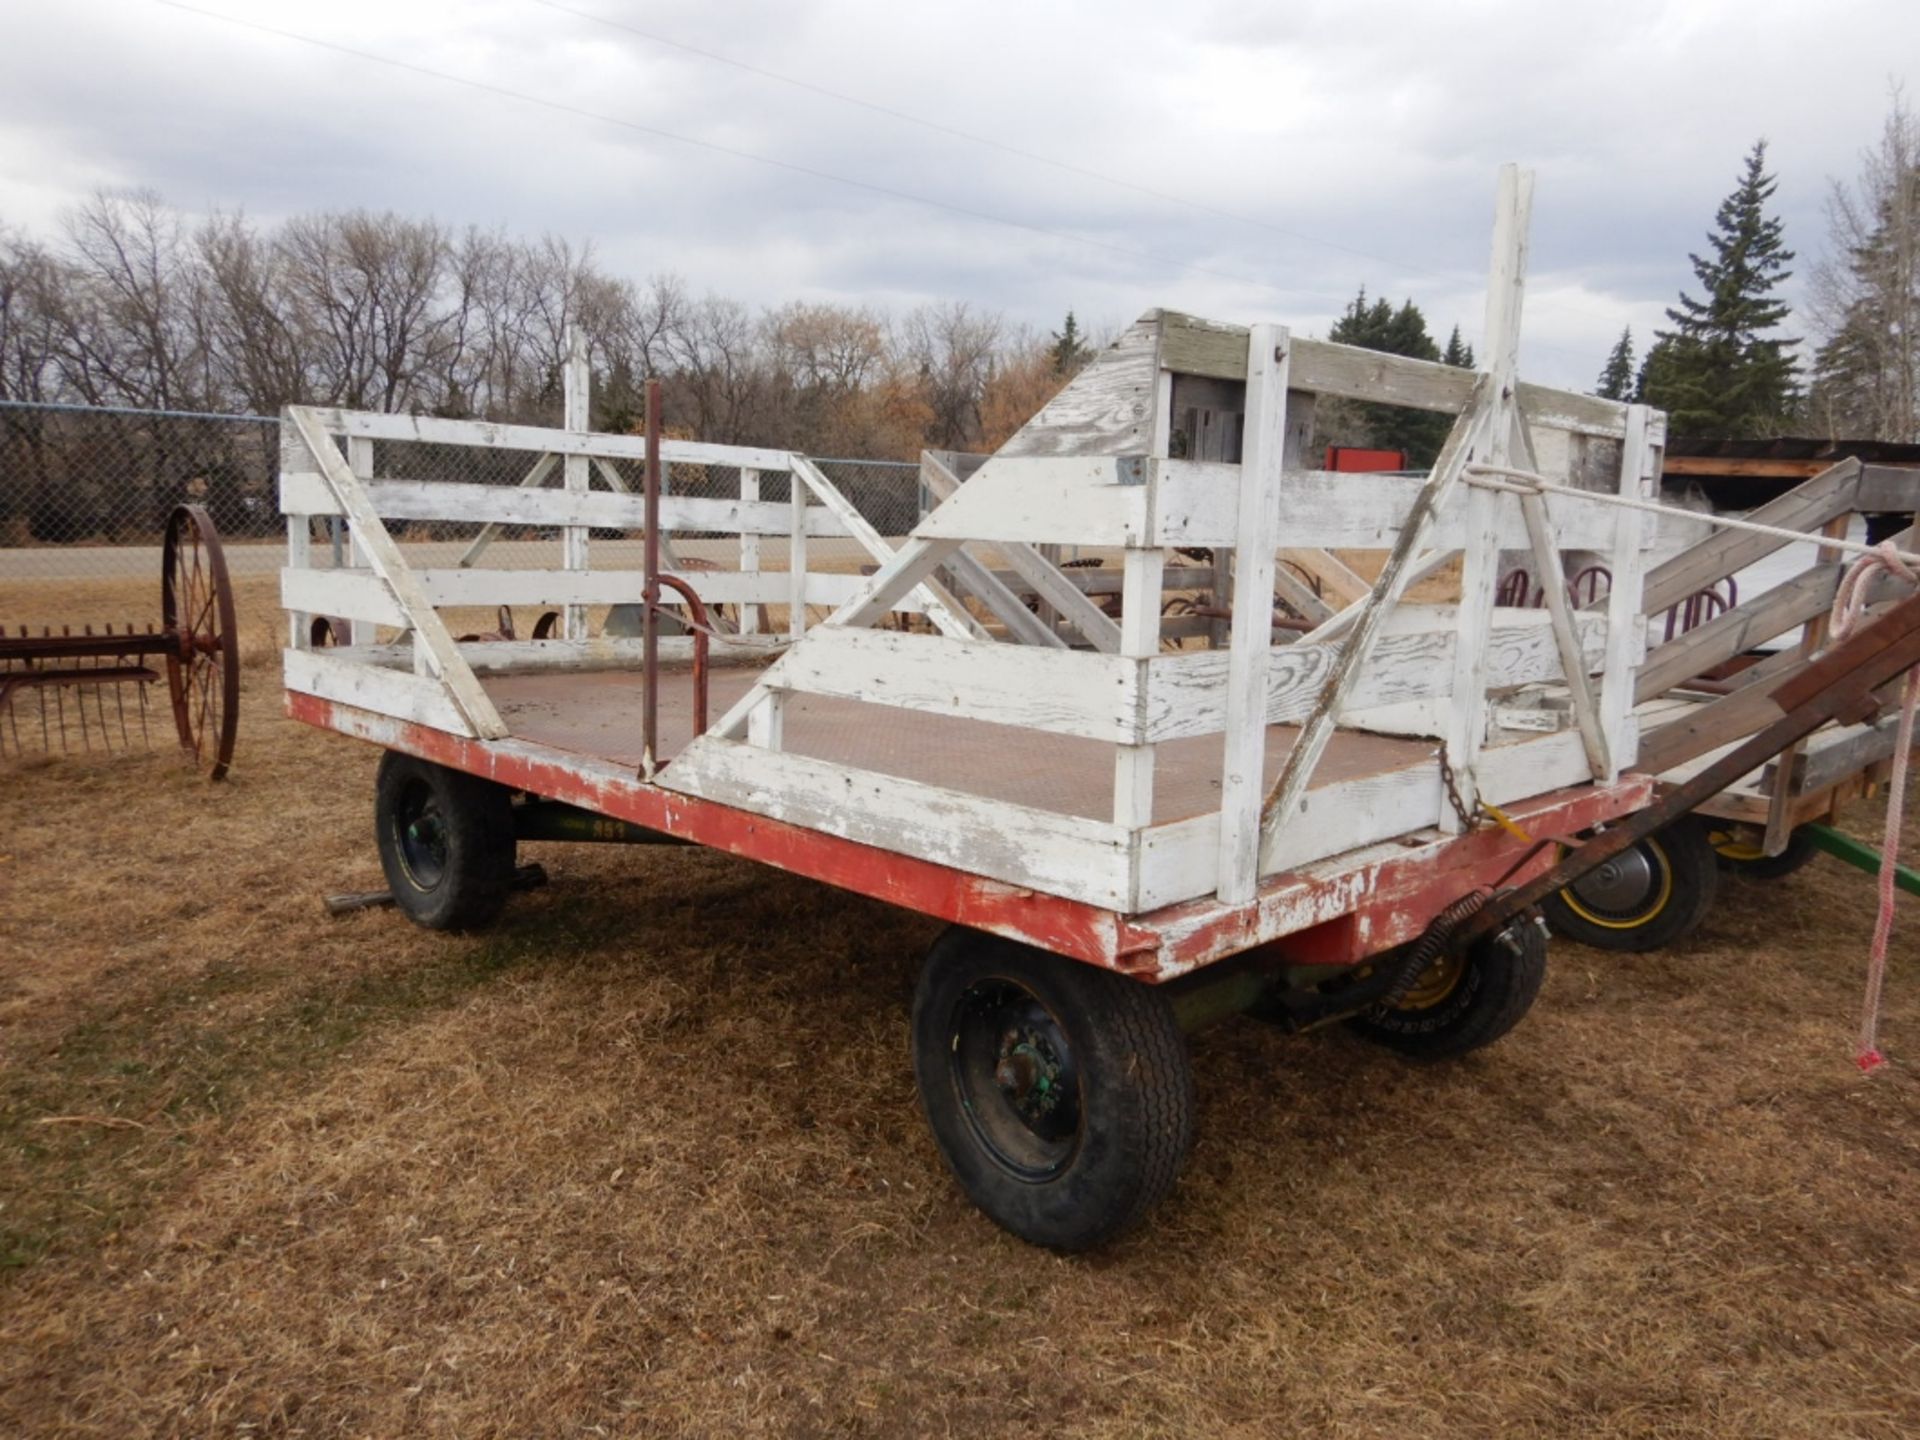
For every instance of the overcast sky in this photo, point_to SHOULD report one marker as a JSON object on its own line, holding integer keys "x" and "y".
{"x": 1246, "y": 161}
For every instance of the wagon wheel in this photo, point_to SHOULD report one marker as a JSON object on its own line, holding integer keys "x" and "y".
{"x": 203, "y": 666}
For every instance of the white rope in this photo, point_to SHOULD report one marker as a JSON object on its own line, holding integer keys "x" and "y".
{"x": 1530, "y": 483}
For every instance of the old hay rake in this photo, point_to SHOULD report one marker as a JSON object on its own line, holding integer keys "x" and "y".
{"x": 196, "y": 649}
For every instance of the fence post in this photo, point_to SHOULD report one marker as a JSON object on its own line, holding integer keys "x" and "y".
{"x": 573, "y": 539}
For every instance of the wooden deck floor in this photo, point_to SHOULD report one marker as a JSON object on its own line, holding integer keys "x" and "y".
{"x": 599, "y": 714}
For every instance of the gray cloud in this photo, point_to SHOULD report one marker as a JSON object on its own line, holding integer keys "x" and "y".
{"x": 1372, "y": 125}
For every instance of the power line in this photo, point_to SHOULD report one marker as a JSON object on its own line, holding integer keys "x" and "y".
{"x": 581, "y": 112}
{"x": 938, "y": 127}
{"x": 794, "y": 167}
{"x": 1065, "y": 166}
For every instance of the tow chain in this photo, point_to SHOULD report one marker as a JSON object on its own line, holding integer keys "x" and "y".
{"x": 1471, "y": 818}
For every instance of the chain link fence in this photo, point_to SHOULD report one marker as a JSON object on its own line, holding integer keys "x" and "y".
{"x": 85, "y": 493}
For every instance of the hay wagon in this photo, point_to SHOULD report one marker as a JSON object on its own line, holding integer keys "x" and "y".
{"x": 1126, "y": 840}
{"x": 1735, "y": 614}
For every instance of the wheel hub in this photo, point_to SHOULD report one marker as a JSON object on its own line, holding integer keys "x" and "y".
{"x": 1014, "y": 1072}
{"x": 424, "y": 844}
{"x": 1028, "y": 1075}
{"x": 1619, "y": 886}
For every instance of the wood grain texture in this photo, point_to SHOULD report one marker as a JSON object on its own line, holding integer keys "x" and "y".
{"x": 1193, "y": 346}
{"x": 1807, "y": 507}
{"x": 1062, "y": 692}
{"x": 1060, "y": 854}
{"x": 1257, "y": 520}
{"x": 1107, "y": 409}
{"x": 1742, "y": 628}
{"x": 510, "y": 505}
{"x": 433, "y": 646}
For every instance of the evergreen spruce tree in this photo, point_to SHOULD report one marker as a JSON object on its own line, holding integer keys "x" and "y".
{"x": 1069, "y": 354}
{"x": 1722, "y": 374}
{"x": 1617, "y": 379}
{"x": 1377, "y": 325}
{"x": 1458, "y": 353}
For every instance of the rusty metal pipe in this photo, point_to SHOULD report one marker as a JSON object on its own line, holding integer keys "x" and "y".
{"x": 701, "y": 625}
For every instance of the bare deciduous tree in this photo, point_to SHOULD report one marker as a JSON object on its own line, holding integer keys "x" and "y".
{"x": 130, "y": 307}
{"x": 1866, "y": 293}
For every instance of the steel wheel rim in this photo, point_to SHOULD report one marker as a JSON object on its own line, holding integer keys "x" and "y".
{"x": 203, "y": 665}
{"x": 1729, "y": 845}
{"x": 1628, "y": 891}
{"x": 1435, "y": 983}
{"x": 420, "y": 835}
{"x": 1016, "y": 1079}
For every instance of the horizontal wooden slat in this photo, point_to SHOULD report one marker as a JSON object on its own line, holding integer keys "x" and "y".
{"x": 1062, "y": 855}
{"x": 1191, "y": 346}
{"x": 831, "y": 591}
{"x": 360, "y": 595}
{"x": 485, "y": 434}
{"x": 1839, "y": 754}
{"x": 304, "y": 493}
{"x": 396, "y": 692}
{"x": 1180, "y": 861}
{"x": 1186, "y": 693}
{"x": 1890, "y": 488}
{"x": 1062, "y": 692}
{"x": 1081, "y": 500}
{"x": 1746, "y": 625}
{"x": 343, "y": 594}
{"x": 1805, "y": 507}
{"x": 507, "y": 657}
{"x": 1192, "y": 503}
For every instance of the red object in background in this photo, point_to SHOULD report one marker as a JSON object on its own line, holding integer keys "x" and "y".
{"x": 1356, "y": 461}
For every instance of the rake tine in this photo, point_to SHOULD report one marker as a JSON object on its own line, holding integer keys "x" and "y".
{"x": 100, "y": 713}
{"x": 120, "y": 706}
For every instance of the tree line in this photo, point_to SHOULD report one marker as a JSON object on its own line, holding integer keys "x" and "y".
{"x": 1727, "y": 366}
{"x": 132, "y": 303}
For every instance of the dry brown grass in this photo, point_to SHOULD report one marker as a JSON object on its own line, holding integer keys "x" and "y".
{"x": 647, "y": 1160}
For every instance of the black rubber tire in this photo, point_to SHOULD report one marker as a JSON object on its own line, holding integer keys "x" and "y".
{"x": 1680, "y": 862}
{"x": 470, "y": 884}
{"x": 1800, "y": 849}
{"x": 1496, "y": 983}
{"x": 1135, "y": 1109}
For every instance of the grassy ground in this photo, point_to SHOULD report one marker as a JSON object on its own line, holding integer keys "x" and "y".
{"x": 647, "y": 1160}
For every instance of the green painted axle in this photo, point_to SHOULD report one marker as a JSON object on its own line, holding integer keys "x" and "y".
{"x": 551, "y": 820}
{"x": 1861, "y": 857}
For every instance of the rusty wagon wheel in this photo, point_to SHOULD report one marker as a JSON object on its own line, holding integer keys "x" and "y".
{"x": 203, "y": 665}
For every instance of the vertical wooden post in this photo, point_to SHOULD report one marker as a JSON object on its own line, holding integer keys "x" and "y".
{"x": 797, "y": 556}
{"x": 1140, "y": 586}
{"x": 1042, "y": 606}
{"x": 1813, "y": 638}
{"x": 766, "y": 723}
{"x": 1640, "y": 452}
{"x": 1263, "y": 453}
{"x": 751, "y": 612}
{"x": 294, "y": 459}
{"x": 1480, "y": 553}
{"x": 573, "y": 539}
{"x": 360, "y": 461}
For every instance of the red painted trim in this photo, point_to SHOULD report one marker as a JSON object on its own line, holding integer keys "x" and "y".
{"x": 1324, "y": 914}
{"x": 1067, "y": 927}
